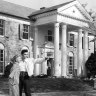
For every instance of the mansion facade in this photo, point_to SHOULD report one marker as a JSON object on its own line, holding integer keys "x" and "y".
{"x": 63, "y": 32}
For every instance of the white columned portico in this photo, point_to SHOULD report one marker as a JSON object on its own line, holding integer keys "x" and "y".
{"x": 85, "y": 51}
{"x": 36, "y": 67}
{"x": 79, "y": 53}
{"x": 64, "y": 51}
{"x": 56, "y": 49}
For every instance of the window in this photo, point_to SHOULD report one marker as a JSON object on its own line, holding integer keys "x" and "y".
{"x": 71, "y": 40}
{"x": 1, "y": 58}
{"x": 1, "y": 27}
{"x": 49, "y": 36}
{"x": 25, "y": 31}
{"x": 71, "y": 63}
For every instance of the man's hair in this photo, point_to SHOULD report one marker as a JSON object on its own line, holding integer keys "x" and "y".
{"x": 23, "y": 51}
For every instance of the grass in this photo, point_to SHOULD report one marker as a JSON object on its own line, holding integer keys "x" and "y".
{"x": 59, "y": 84}
{"x": 56, "y": 84}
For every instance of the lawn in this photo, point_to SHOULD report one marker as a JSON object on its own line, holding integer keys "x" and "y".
{"x": 59, "y": 84}
{"x": 55, "y": 84}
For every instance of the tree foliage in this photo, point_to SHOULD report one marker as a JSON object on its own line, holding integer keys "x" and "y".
{"x": 91, "y": 64}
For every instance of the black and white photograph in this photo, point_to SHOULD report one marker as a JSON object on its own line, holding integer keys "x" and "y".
{"x": 47, "y": 47}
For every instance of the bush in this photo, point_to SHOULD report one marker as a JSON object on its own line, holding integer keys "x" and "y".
{"x": 7, "y": 70}
{"x": 91, "y": 65}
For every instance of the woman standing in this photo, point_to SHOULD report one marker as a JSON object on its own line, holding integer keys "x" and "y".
{"x": 14, "y": 77}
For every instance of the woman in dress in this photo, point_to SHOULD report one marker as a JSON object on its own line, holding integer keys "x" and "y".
{"x": 14, "y": 77}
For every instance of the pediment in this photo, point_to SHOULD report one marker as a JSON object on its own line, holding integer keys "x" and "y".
{"x": 75, "y": 10}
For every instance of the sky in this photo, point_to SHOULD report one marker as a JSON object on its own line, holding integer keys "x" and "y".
{"x": 37, "y": 4}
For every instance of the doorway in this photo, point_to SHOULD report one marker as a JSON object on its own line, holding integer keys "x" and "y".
{"x": 50, "y": 67}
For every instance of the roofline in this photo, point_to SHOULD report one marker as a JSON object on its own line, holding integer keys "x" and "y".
{"x": 42, "y": 12}
{"x": 85, "y": 10}
{"x": 7, "y": 14}
{"x": 49, "y": 8}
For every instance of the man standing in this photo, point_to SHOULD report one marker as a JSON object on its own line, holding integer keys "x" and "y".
{"x": 26, "y": 71}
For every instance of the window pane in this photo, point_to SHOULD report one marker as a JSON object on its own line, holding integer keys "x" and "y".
{"x": 25, "y": 35}
{"x": 1, "y": 31}
{"x": 1, "y": 67}
{"x": 49, "y": 38}
{"x": 1, "y": 55}
{"x": 1, "y": 27}
{"x": 71, "y": 43}
{"x": 1, "y": 21}
{"x": 25, "y": 27}
{"x": 1, "y": 59}
{"x": 1, "y": 51}
{"x": 49, "y": 32}
{"x": 70, "y": 72}
{"x": 25, "y": 31}
{"x": 71, "y": 39}
{"x": 71, "y": 65}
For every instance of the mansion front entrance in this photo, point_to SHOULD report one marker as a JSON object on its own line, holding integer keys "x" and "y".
{"x": 63, "y": 33}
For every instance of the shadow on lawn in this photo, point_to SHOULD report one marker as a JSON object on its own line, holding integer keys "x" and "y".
{"x": 55, "y": 84}
{"x": 59, "y": 84}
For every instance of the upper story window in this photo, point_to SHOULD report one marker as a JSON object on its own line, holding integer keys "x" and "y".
{"x": 25, "y": 31}
{"x": 71, "y": 40}
{"x": 49, "y": 36}
{"x": 1, "y": 27}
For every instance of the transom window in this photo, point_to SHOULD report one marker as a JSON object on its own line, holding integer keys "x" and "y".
{"x": 71, "y": 40}
{"x": 25, "y": 31}
{"x": 49, "y": 36}
{"x": 1, "y": 27}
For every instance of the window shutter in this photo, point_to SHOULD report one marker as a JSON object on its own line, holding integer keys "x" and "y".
{"x": 31, "y": 32}
{"x": 20, "y": 31}
{"x": 68, "y": 40}
{"x": 75, "y": 40}
{"x": 6, "y": 28}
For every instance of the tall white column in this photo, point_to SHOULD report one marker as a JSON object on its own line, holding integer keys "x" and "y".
{"x": 64, "y": 51}
{"x": 85, "y": 51}
{"x": 36, "y": 67}
{"x": 56, "y": 49}
{"x": 35, "y": 41}
{"x": 79, "y": 53}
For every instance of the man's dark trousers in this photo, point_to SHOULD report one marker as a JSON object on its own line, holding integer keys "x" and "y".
{"x": 24, "y": 83}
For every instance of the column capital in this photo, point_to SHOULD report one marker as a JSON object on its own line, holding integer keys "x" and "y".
{"x": 86, "y": 32}
{"x": 80, "y": 30}
{"x": 56, "y": 24}
{"x": 63, "y": 25}
{"x": 36, "y": 28}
